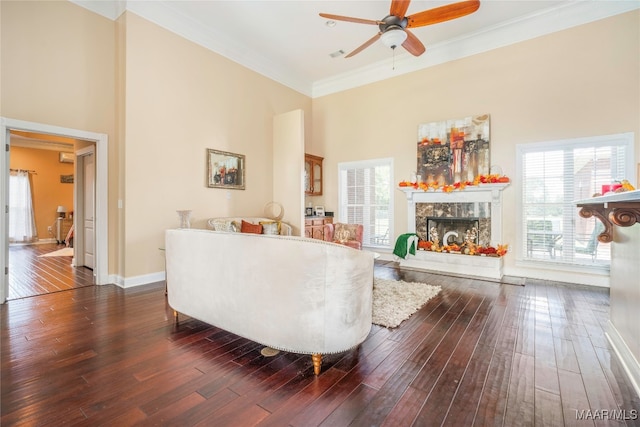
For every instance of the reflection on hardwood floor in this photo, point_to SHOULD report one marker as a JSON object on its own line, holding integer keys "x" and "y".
{"x": 30, "y": 274}
{"x": 480, "y": 353}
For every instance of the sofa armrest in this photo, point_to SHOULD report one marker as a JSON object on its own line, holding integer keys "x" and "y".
{"x": 285, "y": 229}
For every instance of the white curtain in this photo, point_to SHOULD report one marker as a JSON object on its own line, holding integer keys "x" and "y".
{"x": 22, "y": 224}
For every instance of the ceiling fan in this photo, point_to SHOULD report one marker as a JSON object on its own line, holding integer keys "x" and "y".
{"x": 394, "y": 27}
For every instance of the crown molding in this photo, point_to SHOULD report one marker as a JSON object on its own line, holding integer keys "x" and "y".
{"x": 564, "y": 16}
{"x": 41, "y": 145}
{"x": 111, "y": 9}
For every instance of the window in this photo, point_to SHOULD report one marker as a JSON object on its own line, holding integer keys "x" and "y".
{"x": 554, "y": 175}
{"x": 366, "y": 197}
{"x": 22, "y": 226}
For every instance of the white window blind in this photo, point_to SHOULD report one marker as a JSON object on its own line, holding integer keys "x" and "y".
{"x": 366, "y": 197}
{"x": 556, "y": 174}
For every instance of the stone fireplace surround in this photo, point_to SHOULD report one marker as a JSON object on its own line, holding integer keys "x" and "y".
{"x": 483, "y": 201}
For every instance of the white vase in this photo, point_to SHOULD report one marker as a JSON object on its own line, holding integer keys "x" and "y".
{"x": 185, "y": 217}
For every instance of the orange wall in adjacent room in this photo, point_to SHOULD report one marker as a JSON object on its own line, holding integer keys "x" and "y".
{"x": 48, "y": 192}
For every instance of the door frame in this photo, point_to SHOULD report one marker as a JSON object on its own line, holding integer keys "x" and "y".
{"x": 79, "y": 204}
{"x": 101, "y": 140}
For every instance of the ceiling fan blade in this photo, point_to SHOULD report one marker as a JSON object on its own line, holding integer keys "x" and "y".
{"x": 413, "y": 45}
{"x": 365, "y": 45}
{"x": 442, "y": 13}
{"x": 350, "y": 19}
{"x": 399, "y": 8}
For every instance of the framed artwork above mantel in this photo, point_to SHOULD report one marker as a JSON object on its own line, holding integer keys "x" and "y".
{"x": 454, "y": 150}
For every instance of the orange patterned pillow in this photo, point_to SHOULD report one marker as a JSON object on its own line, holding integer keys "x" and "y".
{"x": 247, "y": 227}
{"x": 345, "y": 232}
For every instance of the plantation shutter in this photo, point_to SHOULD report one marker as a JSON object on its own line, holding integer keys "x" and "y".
{"x": 555, "y": 175}
{"x": 366, "y": 198}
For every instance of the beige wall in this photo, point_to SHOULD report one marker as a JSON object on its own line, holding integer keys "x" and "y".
{"x": 57, "y": 68}
{"x": 579, "y": 82}
{"x": 48, "y": 192}
{"x": 180, "y": 100}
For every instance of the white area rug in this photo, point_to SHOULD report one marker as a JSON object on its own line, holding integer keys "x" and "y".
{"x": 395, "y": 301}
{"x": 60, "y": 252}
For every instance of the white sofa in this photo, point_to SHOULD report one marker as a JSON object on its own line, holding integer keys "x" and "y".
{"x": 226, "y": 223}
{"x": 286, "y": 292}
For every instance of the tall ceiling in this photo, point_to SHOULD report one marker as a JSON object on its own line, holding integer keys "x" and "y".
{"x": 289, "y": 42}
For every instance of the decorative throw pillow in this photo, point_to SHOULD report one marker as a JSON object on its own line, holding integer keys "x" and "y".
{"x": 223, "y": 225}
{"x": 270, "y": 227}
{"x": 247, "y": 227}
{"x": 344, "y": 232}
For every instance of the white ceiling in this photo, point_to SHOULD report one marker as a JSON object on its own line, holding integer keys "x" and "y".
{"x": 289, "y": 42}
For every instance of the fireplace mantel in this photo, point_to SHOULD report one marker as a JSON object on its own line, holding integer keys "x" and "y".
{"x": 491, "y": 193}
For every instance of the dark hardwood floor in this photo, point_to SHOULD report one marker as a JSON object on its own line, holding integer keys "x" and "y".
{"x": 480, "y": 353}
{"x": 32, "y": 274}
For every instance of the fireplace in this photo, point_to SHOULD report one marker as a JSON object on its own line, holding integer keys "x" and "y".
{"x": 453, "y": 230}
{"x": 461, "y": 215}
{"x": 479, "y": 206}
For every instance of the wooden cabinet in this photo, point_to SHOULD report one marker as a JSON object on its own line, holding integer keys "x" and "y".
{"x": 63, "y": 225}
{"x": 314, "y": 227}
{"x": 312, "y": 175}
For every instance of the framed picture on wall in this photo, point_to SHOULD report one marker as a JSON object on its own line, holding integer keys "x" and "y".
{"x": 225, "y": 170}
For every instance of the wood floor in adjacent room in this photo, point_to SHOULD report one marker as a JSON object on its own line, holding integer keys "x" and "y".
{"x": 480, "y": 353}
{"x": 31, "y": 273}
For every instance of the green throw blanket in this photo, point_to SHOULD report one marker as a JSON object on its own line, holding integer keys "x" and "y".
{"x": 405, "y": 245}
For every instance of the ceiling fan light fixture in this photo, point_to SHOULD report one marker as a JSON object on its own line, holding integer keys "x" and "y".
{"x": 394, "y": 37}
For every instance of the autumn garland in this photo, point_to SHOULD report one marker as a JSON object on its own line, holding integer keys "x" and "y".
{"x": 448, "y": 188}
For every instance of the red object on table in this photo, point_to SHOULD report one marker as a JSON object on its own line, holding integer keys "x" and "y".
{"x": 610, "y": 187}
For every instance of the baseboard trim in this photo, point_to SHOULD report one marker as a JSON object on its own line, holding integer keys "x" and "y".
{"x": 625, "y": 356}
{"x": 144, "y": 279}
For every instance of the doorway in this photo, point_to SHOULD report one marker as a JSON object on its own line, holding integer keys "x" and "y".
{"x": 99, "y": 143}
{"x": 41, "y": 216}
